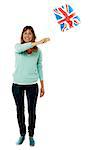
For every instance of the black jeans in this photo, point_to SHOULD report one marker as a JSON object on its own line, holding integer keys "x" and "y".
{"x": 32, "y": 94}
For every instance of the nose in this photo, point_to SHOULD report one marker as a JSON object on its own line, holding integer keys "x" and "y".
{"x": 27, "y": 36}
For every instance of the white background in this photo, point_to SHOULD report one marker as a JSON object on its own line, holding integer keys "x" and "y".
{"x": 68, "y": 114}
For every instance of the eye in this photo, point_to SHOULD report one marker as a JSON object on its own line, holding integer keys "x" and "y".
{"x": 25, "y": 33}
{"x": 30, "y": 33}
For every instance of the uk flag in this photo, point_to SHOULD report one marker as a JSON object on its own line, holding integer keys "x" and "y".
{"x": 66, "y": 17}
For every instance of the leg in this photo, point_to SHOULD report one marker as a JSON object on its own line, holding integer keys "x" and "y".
{"x": 18, "y": 94}
{"x": 32, "y": 93}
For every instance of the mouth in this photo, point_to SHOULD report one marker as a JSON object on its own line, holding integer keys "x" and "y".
{"x": 27, "y": 39}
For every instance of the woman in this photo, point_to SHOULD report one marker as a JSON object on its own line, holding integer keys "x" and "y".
{"x": 28, "y": 70}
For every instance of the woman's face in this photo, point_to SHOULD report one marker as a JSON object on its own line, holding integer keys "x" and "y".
{"x": 27, "y": 36}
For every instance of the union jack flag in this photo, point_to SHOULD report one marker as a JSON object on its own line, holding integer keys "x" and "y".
{"x": 66, "y": 17}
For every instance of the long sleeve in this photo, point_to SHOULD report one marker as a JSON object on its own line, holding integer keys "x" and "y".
{"x": 19, "y": 48}
{"x": 39, "y": 66}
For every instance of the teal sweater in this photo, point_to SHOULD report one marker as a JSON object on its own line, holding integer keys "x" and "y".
{"x": 28, "y": 67}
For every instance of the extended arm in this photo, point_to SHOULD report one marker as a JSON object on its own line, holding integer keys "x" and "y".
{"x": 19, "y": 48}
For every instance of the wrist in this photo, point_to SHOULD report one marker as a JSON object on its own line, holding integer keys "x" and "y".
{"x": 34, "y": 44}
{"x": 42, "y": 87}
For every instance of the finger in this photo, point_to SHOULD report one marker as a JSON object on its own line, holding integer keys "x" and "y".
{"x": 41, "y": 94}
{"x": 47, "y": 39}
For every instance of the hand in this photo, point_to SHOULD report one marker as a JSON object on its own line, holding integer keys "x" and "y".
{"x": 44, "y": 40}
{"x": 42, "y": 92}
{"x": 29, "y": 51}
